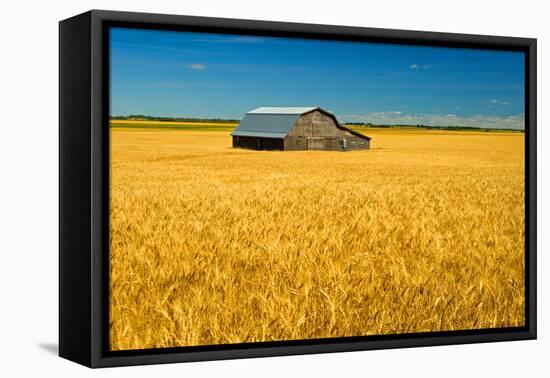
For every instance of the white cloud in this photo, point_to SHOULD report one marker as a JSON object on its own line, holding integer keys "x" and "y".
{"x": 498, "y": 102}
{"x": 415, "y": 66}
{"x": 398, "y": 118}
{"x": 197, "y": 67}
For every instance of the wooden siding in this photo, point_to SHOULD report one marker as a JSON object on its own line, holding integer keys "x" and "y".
{"x": 318, "y": 131}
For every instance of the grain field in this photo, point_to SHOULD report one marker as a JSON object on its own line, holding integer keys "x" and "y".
{"x": 215, "y": 245}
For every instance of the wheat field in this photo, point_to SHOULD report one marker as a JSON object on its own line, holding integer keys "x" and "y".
{"x": 215, "y": 245}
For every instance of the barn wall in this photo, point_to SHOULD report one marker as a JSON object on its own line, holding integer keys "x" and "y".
{"x": 356, "y": 143}
{"x": 256, "y": 143}
{"x": 318, "y": 131}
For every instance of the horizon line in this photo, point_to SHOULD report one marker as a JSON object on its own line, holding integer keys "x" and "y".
{"x": 358, "y": 123}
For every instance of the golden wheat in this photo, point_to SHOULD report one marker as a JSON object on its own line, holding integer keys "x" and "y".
{"x": 214, "y": 245}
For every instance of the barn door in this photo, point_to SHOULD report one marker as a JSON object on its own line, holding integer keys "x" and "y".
{"x": 315, "y": 143}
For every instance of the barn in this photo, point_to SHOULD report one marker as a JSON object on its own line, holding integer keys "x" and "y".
{"x": 295, "y": 129}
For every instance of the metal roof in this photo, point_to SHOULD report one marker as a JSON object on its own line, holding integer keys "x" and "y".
{"x": 278, "y": 110}
{"x": 259, "y": 134}
{"x": 267, "y": 125}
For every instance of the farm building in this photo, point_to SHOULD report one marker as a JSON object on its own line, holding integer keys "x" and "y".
{"x": 291, "y": 129}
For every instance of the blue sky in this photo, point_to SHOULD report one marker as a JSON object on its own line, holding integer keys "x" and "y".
{"x": 182, "y": 74}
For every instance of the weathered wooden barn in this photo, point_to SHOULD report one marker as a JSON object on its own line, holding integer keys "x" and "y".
{"x": 291, "y": 129}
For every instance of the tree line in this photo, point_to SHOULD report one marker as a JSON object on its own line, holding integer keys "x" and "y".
{"x": 141, "y": 117}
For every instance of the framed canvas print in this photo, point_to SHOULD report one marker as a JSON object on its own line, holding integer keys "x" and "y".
{"x": 234, "y": 188}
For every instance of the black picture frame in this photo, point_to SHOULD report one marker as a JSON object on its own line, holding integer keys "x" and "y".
{"x": 84, "y": 188}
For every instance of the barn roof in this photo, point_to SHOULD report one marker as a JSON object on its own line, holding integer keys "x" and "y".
{"x": 270, "y": 122}
{"x": 291, "y": 110}
{"x": 266, "y": 125}
{"x": 276, "y": 122}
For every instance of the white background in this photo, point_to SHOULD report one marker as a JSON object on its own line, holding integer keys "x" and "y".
{"x": 29, "y": 186}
